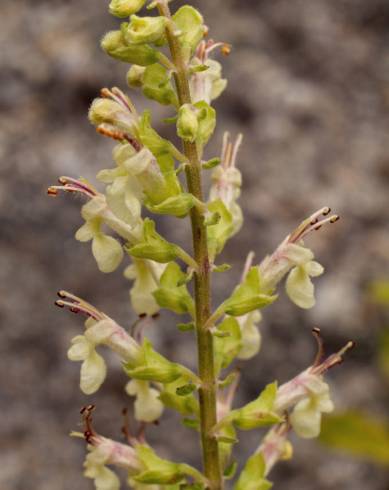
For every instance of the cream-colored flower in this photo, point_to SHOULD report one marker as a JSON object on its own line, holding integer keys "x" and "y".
{"x": 293, "y": 258}
{"x": 93, "y": 367}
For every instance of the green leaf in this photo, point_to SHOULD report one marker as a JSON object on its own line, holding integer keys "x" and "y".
{"x": 222, "y": 268}
{"x": 358, "y": 434}
{"x": 212, "y": 163}
{"x": 228, "y": 347}
{"x": 114, "y": 45}
{"x": 252, "y": 476}
{"x": 186, "y": 327}
{"x": 247, "y": 296}
{"x": 157, "y": 85}
{"x": 153, "y": 246}
{"x": 172, "y": 296}
{"x": 186, "y": 390}
{"x": 230, "y": 471}
{"x": 185, "y": 405}
{"x": 258, "y": 413}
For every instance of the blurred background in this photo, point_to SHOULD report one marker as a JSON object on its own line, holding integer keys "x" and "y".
{"x": 309, "y": 88}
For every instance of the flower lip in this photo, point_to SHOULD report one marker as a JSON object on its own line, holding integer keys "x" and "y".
{"x": 68, "y": 184}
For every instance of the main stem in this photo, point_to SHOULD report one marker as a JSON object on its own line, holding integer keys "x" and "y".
{"x": 202, "y": 290}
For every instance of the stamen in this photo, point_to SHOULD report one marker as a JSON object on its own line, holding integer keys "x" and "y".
{"x": 247, "y": 265}
{"x": 320, "y": 346}
{"x": 235, "y": 150}
{"x": 68, "y": 184}
{"x": 226, "y": 49}
{"x": 78, "y": 305}
{"x": 334, "y": 359}
{"x": 89, "y": 432}
{"x": 110, "y": 132}
{"x": 313, "y": 223}
{"x": 226, "y": 138}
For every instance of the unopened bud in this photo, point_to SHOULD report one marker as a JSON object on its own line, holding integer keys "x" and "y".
{"x": 135, "y": 76}
{"x": 187, "y": 123}
{"x": 125, "y": 8}
{"x": 145, "y": 29}
{"x": 115, "y": 46}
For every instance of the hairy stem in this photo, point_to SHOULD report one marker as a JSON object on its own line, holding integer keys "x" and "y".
{"x": 207, "y": 390}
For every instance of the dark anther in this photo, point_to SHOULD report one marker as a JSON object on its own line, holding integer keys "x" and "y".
{"x": 59, "y": 304}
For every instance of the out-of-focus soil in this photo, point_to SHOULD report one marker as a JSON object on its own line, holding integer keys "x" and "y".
{"x": 308, "y": 87}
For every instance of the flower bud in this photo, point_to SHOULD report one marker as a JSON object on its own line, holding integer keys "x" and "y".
{"x": 125, "y": 8}
{"x": 135, "y": 76}
{"x": 107, "y": 111}
{"x": 187, "y": 124}
{"x": 145, "y": 29}
{"x": 115, "y": 46}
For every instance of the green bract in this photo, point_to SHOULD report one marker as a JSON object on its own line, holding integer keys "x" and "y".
{"x": 114, "y": 44}
{"x": 173, "y": 293}
{"x": 220, "y": 228}
{"x": 143, "y": 30}
{"x": 124, "y": 8}
{"x": 153, "y": 246}
{"x": 247, "y": 296}
{"x": 135, "y": 76}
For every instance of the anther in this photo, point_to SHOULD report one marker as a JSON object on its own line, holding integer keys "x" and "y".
{"x": 59, "y": 304}
{"x": 334, "y": 218}
{"x": 61, "y": 294}
{"x": 226, "y": 49}
{"x": 52, "y": 192}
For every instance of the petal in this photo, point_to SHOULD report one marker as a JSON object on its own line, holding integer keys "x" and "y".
{"x": 84, "y": 233}
{"x": 297, "y": 254}
{"x": 93, "y": 208}
{"x": 148, "y": 406}
{"x": 306, "y": 420}
{"x": 251, "y": 337}
{"x": 107, "y": 251}
{"x": 100, "y": 331}
{"x": 80, "y": 349}
{"x": 106, "y": 479}
{"x": 93, "y": 372}
{"x": 314, "y": 269}
{"x": 299, "y": 288}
